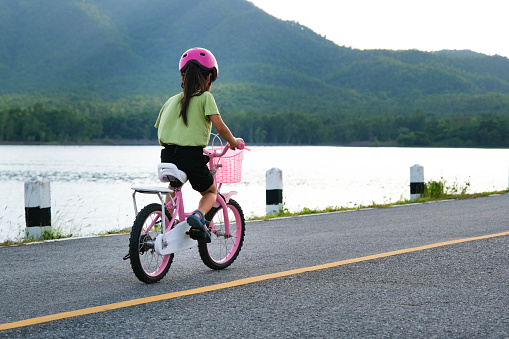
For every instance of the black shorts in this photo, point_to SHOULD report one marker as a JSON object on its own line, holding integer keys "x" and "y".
{"x": 193, "y": 162}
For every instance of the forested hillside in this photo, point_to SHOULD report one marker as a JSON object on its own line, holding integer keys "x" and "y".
{"x": 110, "y": 64}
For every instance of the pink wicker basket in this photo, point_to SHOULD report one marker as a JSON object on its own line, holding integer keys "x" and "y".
{"x": 230, "y": 166}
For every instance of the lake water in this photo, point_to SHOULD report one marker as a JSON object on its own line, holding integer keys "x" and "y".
{"x": 90, "y": 185}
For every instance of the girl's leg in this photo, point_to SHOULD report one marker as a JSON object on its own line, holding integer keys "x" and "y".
{"x": 208, "y": 199}
{"x": 197, "y": 221}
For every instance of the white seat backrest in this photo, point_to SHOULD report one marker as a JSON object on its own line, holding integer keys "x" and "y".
{"x": 169, "y": 172}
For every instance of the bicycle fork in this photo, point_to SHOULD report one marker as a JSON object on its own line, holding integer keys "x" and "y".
{"x": 222, "y": 201}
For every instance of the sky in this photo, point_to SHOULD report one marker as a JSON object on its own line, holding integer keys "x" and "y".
{"x": 429, "y": 25}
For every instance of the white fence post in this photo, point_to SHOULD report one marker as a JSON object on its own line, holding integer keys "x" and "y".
{"x": 416, "y": 182}
{"x": 37, "y": 207}
{"x": 274, "y": 193}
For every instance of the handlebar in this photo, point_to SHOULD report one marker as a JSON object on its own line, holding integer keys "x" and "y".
{"x": 215, "y": 153}
{"x": 242, "y": 145}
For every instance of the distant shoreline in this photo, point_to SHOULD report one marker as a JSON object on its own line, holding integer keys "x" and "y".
{"x": 143, "y": 142}
{"x": 146, "y": 142}
{"x": 102, "y": 142}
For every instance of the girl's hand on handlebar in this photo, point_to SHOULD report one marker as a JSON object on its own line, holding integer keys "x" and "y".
{"x": 239, "y": 144}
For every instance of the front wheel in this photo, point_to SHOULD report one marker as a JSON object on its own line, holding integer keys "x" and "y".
{"x": 147, "y": 265}
{"x": 225, "y": 246}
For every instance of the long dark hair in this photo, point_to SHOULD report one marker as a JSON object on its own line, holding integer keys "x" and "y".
{"x": 194, "y": 84}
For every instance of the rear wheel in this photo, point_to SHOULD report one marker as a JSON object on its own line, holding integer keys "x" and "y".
{"x": 147, "y": 265}
{"x": 224, "y": 248}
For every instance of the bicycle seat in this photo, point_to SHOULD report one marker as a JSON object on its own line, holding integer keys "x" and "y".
{"x": 169, "y": 172}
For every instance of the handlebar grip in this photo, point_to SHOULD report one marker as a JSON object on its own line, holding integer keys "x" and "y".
{"x": 241, "y": 145}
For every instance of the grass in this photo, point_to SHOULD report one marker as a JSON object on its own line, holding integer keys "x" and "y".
{"x": 433, "y": 191}
{"x": 53, "y": 234}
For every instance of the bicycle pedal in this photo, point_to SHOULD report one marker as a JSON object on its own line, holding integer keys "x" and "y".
{"x": 194, "y": 234}
{"x": 199, "y": 235}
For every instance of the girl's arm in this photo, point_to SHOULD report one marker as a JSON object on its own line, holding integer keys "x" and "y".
{"x": 224, "y": 131}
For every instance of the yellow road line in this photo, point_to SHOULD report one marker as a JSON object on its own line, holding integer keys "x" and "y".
{"x": 128, "y": 303}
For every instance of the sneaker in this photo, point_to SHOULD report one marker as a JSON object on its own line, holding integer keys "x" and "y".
{"x": 198, "y": 230}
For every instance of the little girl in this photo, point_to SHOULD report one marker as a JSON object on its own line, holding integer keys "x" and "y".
{"x": 184, "y": 126}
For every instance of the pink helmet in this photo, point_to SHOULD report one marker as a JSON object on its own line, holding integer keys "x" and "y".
{"x": 203, "y": 58}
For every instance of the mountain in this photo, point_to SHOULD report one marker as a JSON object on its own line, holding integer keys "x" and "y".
{"x": 115, "y": 50}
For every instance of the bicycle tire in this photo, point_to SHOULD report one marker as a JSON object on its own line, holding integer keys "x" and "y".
{"x": 147, "y": 265}
{"x": 222, "y": 251}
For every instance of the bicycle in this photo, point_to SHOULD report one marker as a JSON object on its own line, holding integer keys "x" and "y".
{"x": 154, "y": 239}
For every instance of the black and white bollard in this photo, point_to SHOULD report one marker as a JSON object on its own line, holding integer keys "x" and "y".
{"x": 274, "y": 193}
{"x": 416, "y": 182}
{"x": 37, "y": 207}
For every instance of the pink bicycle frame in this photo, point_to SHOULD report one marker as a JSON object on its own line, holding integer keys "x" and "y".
{"x": 177, "y": 204}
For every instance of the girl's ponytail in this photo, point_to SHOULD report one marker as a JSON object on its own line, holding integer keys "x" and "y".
{"x": 194, "y": 83}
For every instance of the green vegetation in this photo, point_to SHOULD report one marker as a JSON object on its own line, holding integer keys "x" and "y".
{"x": 41, "y": 124}
{"x": 415, "y": 130}
{"x": 434, "y": 190}
{"x": 38, "y": 124}
{"x": 100, "y": 70}
{"x": 424, "y": 199}
{"x": 53, "y": 234}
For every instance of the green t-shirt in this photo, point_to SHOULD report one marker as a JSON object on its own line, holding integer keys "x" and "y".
{"x": 171, "y": 129}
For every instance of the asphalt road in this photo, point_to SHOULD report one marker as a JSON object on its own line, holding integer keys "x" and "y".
{"x": 453, "y": 291}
